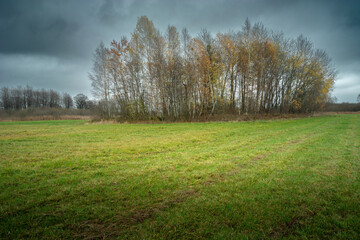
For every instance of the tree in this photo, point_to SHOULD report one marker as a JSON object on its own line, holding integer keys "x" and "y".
{"x": 118, "y": 74}
{"x": 81, "y": 101}
{"x": 99, "y": 76}
{"x": 67, "y": 100}
{"x": 135, "y": 70}
{"x": 44, "y": 98}
{"x": 228, "y": 53}
{"x": 146, "y": 34}
{"x": 54, "y": 99}
{"x": 36, "y": 98}
{"x": 6, "y": 98}
{"x": 16, "y": 96}
{"x": 173, "y": 73}
{"x": 358, "y": 98}
{"x": 28, "y": 97}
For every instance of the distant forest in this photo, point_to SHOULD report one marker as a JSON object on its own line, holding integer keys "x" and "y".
{"x": 21, "y": 98}
{"x": 176, "y": 76}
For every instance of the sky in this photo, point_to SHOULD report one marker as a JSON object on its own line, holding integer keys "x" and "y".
{"x": 50, "y": 43}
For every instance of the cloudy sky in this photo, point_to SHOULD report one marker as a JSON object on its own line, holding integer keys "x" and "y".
{"x": 49, "y": 44}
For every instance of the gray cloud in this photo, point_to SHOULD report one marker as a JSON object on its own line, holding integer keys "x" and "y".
{"x": 48, "y": 43}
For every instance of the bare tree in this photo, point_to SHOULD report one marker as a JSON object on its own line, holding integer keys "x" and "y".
{"x": 99, "y": 76}
{"x": 6, "y": 98}
{"x": 54, "y": 99}
{"x": 17, "y": 98}
{"x": 29, "y": 97}
{"x": 67, "y": 100}
{"x": 81, "y": 101}
{"x": 44, "y": 98}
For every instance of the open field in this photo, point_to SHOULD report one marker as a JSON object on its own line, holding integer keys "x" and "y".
{"x": 296, "y": 178}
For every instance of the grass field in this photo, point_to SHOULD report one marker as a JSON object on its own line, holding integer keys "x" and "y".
{"x": 295, "y": 178}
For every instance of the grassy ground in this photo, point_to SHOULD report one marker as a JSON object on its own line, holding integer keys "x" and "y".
{"x": 264, "y": 179}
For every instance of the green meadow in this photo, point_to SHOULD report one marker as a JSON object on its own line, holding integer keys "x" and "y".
{"x": 282, "y": 179}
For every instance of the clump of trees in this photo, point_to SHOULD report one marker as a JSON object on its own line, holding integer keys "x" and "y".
{"x": 83, "y": 102}
{"x": 177, "y": 76}
{"x": 28, "y": 98}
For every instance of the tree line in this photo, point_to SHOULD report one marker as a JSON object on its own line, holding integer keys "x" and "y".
{"x": 26, "y": 97}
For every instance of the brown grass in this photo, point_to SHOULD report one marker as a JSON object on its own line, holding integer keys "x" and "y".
{"x": 45, "y": 118}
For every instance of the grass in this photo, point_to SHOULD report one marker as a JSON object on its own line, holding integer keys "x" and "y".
{"x": 241, "y": 180}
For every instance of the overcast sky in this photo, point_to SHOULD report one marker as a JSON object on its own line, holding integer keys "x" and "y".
{"x": 49, "y": 44}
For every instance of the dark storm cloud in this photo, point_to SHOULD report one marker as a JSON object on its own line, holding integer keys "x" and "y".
{"x": 48, "y": 43}
{"x": 30, "y": 28}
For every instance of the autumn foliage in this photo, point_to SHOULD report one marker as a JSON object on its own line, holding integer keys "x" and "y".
{"x": 176, "y": 76}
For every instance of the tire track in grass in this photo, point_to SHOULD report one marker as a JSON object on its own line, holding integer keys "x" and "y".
{"x": 98, "y": 229}
{"x": 95, "y": 229}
